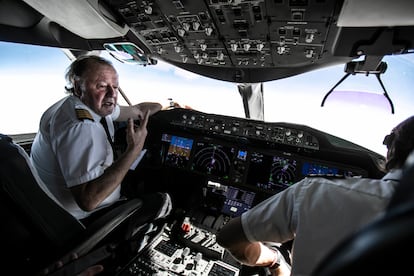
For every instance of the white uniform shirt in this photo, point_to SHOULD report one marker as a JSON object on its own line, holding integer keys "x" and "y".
{"x": 321, "y": 212}
{"x": 69, "y": 150}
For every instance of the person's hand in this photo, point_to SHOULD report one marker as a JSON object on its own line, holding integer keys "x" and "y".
{"x": 92, "y": 270}
{"x": 136, "y": 134}
{"x": 152, "y": 107}
{"x": 282, "y": 270}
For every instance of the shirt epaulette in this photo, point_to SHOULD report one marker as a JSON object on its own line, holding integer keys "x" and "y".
{"x": 83, "y": 114}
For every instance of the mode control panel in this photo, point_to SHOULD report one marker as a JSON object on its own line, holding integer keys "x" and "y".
{"x": 269, "y": 132}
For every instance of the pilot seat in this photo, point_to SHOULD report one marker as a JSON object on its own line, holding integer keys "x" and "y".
{"x": 36, "y": 231}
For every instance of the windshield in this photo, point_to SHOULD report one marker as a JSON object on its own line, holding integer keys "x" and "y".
{"x": 33, "y": 79}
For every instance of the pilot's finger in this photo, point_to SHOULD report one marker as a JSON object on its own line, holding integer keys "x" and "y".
{"x": 130, "y": 126}
{"x": 140, "y": 115}
{"x": 144, "y": 121}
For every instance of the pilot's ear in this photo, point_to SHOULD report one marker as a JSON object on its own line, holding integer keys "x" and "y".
{"x": 77, "y": 90}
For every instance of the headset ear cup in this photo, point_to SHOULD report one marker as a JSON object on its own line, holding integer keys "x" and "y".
{"x": 388, "y": 139}
{"x": 400, "y": 143}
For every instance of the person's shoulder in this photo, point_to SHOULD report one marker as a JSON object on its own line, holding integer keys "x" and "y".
{"x": 72, "y": 113}
{"x": 83, "y": 114}
{"x": 327, "y": 183}
{"x": 360, "y": 185}
{"x": 80, "y": 112}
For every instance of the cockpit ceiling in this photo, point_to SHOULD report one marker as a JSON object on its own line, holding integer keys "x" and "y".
{"x": 233, "y": 40}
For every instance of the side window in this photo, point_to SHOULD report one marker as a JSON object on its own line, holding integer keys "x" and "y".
{"x": 32, "y": 78}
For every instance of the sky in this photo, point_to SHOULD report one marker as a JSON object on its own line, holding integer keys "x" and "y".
{"x": 32, "y": 79}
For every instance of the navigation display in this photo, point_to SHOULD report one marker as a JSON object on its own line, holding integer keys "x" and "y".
{"x": 271, "y": 173}
{"x": 213, "y": 159}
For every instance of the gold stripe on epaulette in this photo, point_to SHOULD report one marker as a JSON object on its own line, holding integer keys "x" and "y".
{"x": 83, "y": 114}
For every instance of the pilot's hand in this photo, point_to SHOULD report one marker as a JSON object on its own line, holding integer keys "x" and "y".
{"x": 135, "y": 135}
{"x": 152, "y": 107}
{"x": 282, "y": 270}
{"x": 92, "y": 270}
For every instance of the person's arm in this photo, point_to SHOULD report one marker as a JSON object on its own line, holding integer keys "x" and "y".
{"x": 65, "y": 265}
{"x": 136, "y": 112}
{"x": 89, "y": 195}
{"x": 233, "y": 239}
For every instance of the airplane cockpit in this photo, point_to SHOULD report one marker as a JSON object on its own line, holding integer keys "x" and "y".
{"x": 214, "y": 166}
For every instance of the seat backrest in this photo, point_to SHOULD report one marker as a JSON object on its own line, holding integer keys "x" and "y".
{"x": 36, "y": 230}
{"x": 382, "y": 247}
{"x": 31, "y": 220}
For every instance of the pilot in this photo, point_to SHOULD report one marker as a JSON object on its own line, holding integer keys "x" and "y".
{"x": 73, "y": 150}
{"x": 315, "y": 213}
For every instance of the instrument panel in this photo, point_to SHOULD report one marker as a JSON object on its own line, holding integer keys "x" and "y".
{"x": 267, "y": 170}
{"x": 237, "y": 162}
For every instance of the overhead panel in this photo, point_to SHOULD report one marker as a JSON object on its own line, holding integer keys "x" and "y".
{"x": 230, "y": 33}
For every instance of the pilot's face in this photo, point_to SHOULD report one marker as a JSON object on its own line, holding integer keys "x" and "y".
{"x": 99, "y": 89}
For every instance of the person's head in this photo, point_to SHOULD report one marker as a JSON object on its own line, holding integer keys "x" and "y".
{"x": 400, "y": 143}
{"x": 95, "y": 81}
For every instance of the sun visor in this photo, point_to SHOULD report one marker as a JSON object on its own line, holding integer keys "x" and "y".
{"x": 87, "y": 19}
{"x": 376, "y": 13}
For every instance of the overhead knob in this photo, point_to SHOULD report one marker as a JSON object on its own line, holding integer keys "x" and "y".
{"x": 208, "y": 31}
{"x": 233, "y": 47}
{"x": 196, "y": 25}
{"x": 177, "y": 48}
{"x": 186, "y": 26}
{"x": 148, "y": 10}
{"x": 309, "y": 37}
{"x": 181, "y": 32}
{"x": 309, "y": 53}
